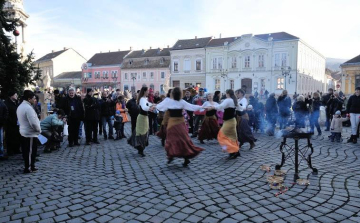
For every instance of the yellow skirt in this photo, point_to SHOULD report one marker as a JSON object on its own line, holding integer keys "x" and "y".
{"x": 227, "y": 136}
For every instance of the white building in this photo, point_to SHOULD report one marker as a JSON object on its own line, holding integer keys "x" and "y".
{"x": 272, "y": 62}
{"x": 188, "y": 63}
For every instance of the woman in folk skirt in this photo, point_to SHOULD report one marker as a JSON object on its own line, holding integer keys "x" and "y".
{"x": 227, "y": 136}
{"x": 178, "y": 143}
{"x": 162, "y": 132}
{"x": 243, "y": 129}
{"x": 140, "y": 137}
{"x": 210, "y": 127}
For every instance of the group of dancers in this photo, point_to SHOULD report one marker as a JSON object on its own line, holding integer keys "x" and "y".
{"x": 174, "y": 132}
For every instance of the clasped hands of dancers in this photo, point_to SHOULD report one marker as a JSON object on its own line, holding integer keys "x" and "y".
{"x": 173, "y": 128}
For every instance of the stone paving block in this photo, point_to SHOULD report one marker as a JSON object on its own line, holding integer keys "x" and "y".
{"x": 61, "y": 218}
{"x": 31, "y": 219}
{"x": 90, "y": 216}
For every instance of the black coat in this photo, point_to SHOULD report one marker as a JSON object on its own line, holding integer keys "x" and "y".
{"x": 3, "y": 113}
{"x": 92, "y": 108}
{"x": 353, "y": 105}
{"x": 78, "y": 112}
{"x": 107, "y": 107}
{"x": 315, "y": 104}
{"x": 12, "y": 107}
{"x": 132, "y": 107}
{"x": 334, "y": 104}
{"x": 300, "y": 108}
{"x": 284, "y": 103}
{"x": 271, "y": 106}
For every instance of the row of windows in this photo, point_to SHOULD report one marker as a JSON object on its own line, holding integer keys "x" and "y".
{"x": 280, "y": 84}
{"x": 187, "y": 65}
{"x": 161, "y": 90}
{"x": 105, "y": 74}
{"x": 134, "y": 76}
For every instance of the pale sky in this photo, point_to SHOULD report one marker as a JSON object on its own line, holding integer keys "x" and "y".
{"x": 332, "y": 27}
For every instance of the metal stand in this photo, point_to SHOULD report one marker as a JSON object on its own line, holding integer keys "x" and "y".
{"x": 288, "y": 152}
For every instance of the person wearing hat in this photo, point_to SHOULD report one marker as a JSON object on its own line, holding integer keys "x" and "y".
{"x": 336, "y": 126}
{"x": 199, "y": 99}
{"x": 3, "y": 119}
{"x": 74, "y": 110}
{"x": 12, "y": 134}
{"x": 92, "y": 117}
{"x": 353, "y": 108}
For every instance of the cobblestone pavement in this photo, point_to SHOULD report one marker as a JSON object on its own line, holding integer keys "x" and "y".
{"x": 111, "y": 183}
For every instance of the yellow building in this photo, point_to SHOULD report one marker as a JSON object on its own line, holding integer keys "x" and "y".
{"x": 350, "y": 75}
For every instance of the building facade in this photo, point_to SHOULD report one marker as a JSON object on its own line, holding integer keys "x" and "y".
{"x": 68, "y": 79}
{"x": 57, "y": 62}
{"x": 103, "y": 71}
{"x": 272, "y": 62}
{"x": 350, "y": 78}
{"x": 146, "y": 67}
{"x": 188, "y": 63}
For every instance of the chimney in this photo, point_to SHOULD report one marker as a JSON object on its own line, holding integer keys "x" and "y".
{"x": 220, "y": 36}
{"x": 195, "y": 37}
{"x": 150, "y": 48}
{"x": 109, "y": 51}
{"x": 65, "y": 48}
{"x": 119, "y": 49}
{"x": 131, "y": 48}
{"x": 168, "y": 46}
{"x": 53, "y": 51}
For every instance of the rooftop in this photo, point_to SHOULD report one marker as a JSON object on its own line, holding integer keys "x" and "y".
{"x": 149, "y": 53}
{"x": 110, "y": 58}
{"x": 69, "y": 75}
{"x": 353, "y": 60}
{"x": 191, "y": 43}
{"x": 50, "y": 56}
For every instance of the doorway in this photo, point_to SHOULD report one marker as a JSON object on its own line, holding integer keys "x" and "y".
{"x": 246, "y": 84}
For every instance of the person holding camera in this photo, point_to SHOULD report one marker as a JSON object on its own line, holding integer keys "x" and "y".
{"x": 92, "y": 117}
{"x": 325, "y": 100}
{"x": 334, "y": 104}
{"x": 49, "y": 129}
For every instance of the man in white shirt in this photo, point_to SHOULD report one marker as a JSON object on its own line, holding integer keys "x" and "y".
{"x": 29, "y": 130}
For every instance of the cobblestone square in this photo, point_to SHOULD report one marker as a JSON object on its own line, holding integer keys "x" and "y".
{"x": 110, "y": 182}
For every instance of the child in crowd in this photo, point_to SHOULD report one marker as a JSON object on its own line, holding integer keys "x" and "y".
{"x": 251, "y": 115}
{"x": 336, "y": 126}
{"x": 118, "y": 125}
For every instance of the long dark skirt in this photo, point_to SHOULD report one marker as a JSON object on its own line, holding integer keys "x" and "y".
{"x": 243, "y": 130}
{"x": 209, "y": 129}
{"x": 178, "y": 143}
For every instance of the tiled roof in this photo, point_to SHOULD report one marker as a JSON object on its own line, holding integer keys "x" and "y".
{"x": 149, "y": 53}
{"x": 69, "y": 75}
{"x": 101, "y": 59}
{"x": 221, "y": 41}
{"x": 353, "y": 60}
{"x": 50, "y": 56}
{"x": 277, "y": 36}
{"x": 137, "y": 63}
{"x": 191, "y": 43}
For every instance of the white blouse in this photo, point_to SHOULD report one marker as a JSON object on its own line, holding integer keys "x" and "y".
{"x": 243, "y": 103}
{"x": 227, "y": 103}
{"x": 145, "y": 104}
{"x": 173, "y": 104}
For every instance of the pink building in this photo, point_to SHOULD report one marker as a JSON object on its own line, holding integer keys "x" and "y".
{"x": 103, "y": 71}
{"x": 146, "y": 67}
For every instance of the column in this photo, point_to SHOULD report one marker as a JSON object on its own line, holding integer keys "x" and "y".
{"x": 23, "y": 32}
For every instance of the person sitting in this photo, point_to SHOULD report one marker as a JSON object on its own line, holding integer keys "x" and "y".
{"x": 336, "y": 126}
{"x": 49, "y": 127}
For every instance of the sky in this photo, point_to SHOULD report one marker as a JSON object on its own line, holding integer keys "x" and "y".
{"x": 332, "y": 27}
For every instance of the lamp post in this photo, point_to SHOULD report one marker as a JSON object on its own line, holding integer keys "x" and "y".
{"x": 133, "y": 77}
{"x": 223, "y": 74}
{"x": 286, "y": 72}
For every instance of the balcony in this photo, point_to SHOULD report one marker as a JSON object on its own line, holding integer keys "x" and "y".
{"x": 234, "y": 69}
{"x": 260, "y": 69}
{"x": 246, "y": 69}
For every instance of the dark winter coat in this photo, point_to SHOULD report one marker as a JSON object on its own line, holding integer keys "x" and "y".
{"x": 77, "y": 112}
{"x": 92, "y": 108}
{"x": 300, "y": 108}
{"x": 3, "y": 113}
{"x": 334, "y": 104}
{"x": 325, "y": 99}
{"x": 107, "y": 107}
{"x": 132, "y": 107}
{"x": 284, "y": 104}
{"x": 316, "y": 104}
{"x": 353, "y": 105}
{"x": 271, "y": 106}
{"x": 12, "y": 117}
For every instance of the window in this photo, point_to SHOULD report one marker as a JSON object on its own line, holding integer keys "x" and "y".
{"x": 105, "y": 74}
{"x": 280, "y": 83}
{"x": 247, "y": 61}
{"x": 114, "y": 73}
{"x": 162, "y": 61}
{"x": 187, "y": 85}
{"x": 126, "y": 87}
{"x": 176, "y": 66}
{"x": 217, "y": 84}
{"x": 283, "y": 60}
{"x": 198, "y": 64}
{"x": 152, "y": 86}
{"x": 162, "y": 75}
{"x": 144, "y": 75}
{"x": 146, "y": 62}
{"x": 232, "y": 84}
{"x": 162, "y": 90}
{"x": 126, "y": 76}
{"x": 176, "y": 83}
{"x": 89, "y": 75}
{"x": 261, "y": 60}
{"x": 214, "y": 63}
{"x": 187, "y": 65}
{"x": 277, "y": 60}
{"x": 220, "y": 63}
{"x": 97, "y": 74}
{"x": 151, "y": 75}
{"x": 233, "y": 62}
{"x": 85, "y": 75}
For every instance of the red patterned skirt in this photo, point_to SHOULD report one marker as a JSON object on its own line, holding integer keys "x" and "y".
{"x": 209, "y": 128}
{"x": 178, "y": 143}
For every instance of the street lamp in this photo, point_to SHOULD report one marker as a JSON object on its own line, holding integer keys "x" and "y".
{"x": 223, "y": 74}
{"x": 133, "y": 77}
{"x": 286, "y": 72}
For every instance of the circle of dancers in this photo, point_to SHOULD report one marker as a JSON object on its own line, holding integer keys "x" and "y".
{"x": 174, "y": 132}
